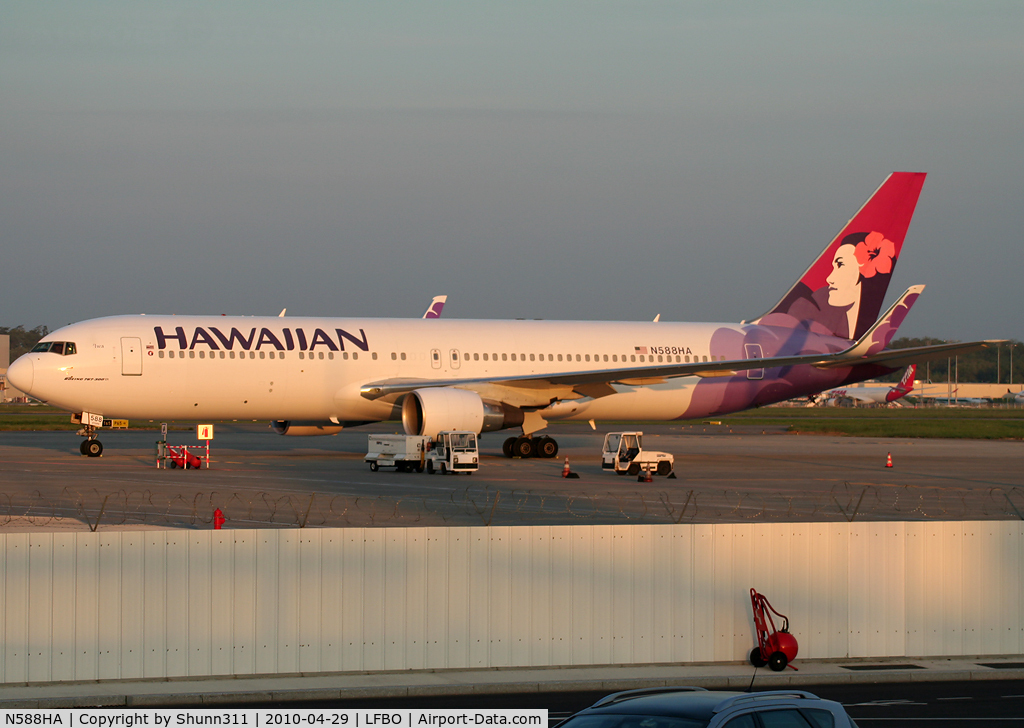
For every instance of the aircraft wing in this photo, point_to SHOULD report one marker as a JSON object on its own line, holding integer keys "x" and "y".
{"x": 869, "y": 349}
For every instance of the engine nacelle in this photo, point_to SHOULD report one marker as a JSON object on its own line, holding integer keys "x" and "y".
{"x": 429, "y": 411}
{"x": 306, "y": 429}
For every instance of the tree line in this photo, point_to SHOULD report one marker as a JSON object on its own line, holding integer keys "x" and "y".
{"x": 985, "y": 366}
{"x": 22, "y": 339}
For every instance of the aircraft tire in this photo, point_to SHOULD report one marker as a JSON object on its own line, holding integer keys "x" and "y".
{"x": 546, "y": 447}
{"x": 506, "y": 447}
{"x": 93, "y": 448}
{"x": 523, "y": 447}
{"x": 82, "y": 448}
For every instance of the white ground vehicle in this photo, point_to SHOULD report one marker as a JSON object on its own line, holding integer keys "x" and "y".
{"x": 405, "y": 452}
{"x": 623, "y": 452}
{"x": 453, "y": 452}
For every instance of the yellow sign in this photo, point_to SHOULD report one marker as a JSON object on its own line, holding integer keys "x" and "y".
{"x": 119, "y": 424}
{"x": 204, "y": 432}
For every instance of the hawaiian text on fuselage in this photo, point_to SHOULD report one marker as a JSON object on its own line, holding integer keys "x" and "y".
{"x": 281, "y": 340}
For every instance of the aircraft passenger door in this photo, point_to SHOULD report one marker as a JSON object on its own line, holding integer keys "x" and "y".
{"x": 131, "y": 356}
{"x": 435, "y": 358}
{"x": 754, "y": 352}
{"x": 455, "y": 358}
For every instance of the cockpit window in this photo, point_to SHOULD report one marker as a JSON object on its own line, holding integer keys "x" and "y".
{"x": 64, "y": 348}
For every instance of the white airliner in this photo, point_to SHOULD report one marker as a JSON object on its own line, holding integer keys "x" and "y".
{"x": 317, "y": 375}
{"x": 874, "y": 395}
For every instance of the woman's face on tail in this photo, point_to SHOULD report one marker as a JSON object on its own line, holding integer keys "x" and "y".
{"x": 844, "y": 281}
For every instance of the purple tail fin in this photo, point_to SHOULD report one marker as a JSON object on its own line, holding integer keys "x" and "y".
{"x": 842, "y": 292}
{"x": 435, "y": 307}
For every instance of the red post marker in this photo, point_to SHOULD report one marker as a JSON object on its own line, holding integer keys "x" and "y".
{"x": 218, "y": 519}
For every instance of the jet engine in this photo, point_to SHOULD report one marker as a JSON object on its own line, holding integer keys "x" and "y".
{"x": 429, "y": 411}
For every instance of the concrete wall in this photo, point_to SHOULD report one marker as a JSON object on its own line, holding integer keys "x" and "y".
{"x": 171, "y": 603}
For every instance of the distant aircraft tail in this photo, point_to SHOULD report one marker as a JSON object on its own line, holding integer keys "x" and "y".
{"x": 905, "y": 386}
{"x": 435, "y": 307}
{"x": 842, "y": 292}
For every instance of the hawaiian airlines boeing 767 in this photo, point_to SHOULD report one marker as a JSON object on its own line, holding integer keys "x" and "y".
{"x": 318, "y": 375}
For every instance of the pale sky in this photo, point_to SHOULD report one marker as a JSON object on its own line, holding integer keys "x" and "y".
{"x": 583, "y": 160}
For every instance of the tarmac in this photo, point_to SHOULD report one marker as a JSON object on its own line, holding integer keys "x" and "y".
{"x": 383, "y": 686}
{"x": 723, "y": 475}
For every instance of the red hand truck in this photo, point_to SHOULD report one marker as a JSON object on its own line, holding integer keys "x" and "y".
{"x": 775, "y": 648}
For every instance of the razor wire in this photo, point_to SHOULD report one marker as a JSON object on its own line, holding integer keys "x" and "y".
{"x": 487, "y": 505}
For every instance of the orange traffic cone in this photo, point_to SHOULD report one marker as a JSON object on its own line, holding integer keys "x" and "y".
{"x": 566, "y": 473}
{"x": 888, "y": 460}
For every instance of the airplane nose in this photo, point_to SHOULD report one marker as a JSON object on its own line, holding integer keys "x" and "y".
{"x": 21, "y": 373}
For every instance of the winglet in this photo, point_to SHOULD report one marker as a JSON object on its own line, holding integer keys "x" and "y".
{"x": 881, "y": 332}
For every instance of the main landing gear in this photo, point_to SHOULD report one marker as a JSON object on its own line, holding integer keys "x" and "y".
{"x": 90, "y": 447}
{"x": 530, "y": 447}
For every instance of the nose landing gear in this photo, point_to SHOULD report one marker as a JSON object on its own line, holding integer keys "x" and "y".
{"x": 90, "y": 447}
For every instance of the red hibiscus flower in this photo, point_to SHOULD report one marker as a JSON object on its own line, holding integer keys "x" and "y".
{"x": 875, "y": 255}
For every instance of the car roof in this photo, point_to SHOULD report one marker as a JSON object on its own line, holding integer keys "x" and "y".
{"x": 679, "y": 702}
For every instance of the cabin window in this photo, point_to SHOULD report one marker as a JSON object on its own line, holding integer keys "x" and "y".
{"x": 403, "y": 356}
{"x": 320, "y": 354}
{"x": 302, "y": 355}
{"x": 485, "y": 357}
{"x": 632, "y": 357}
{"x": 271, "y": 355}
{"x": 476, "y": 357}
{"x": 551, "y": 357}
{"x": 660, "y": 358}
{"x": 577, "y": 357}
{"x": 355, "y": 355}
{"x": 394, "y": 356}
{"x": 513, "y": 357}
{"x": 705, "y": 358}
{"x": 192, "y": 354}
{"x": 504, "y": 357}
{"x": 606, "y": 357}
{"x": 344, "y": 355}
{"x": 559, "y": 357}
{"x": 330, "y": 355}
{"x": 374, "y": 356}
{"x": 588, "y": 357}
{"x": 263, "y": 355}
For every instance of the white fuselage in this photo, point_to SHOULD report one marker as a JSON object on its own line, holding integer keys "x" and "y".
{"x": 274, "y": 368}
